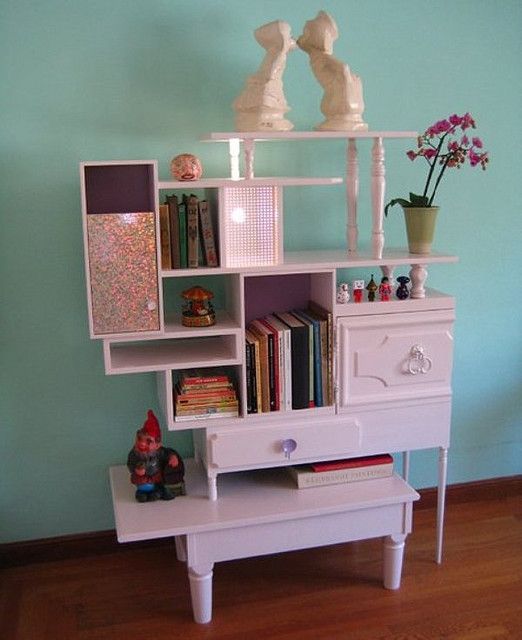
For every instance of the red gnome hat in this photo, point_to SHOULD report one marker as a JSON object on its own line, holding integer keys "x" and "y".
{"x": 151, "y": 426}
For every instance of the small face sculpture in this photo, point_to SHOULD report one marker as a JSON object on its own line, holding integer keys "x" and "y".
{"x": 145, "y": 443}
{"x": 186, "y": 166}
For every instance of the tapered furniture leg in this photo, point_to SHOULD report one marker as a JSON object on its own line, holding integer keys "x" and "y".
{"x": 201, "y": 595}
{"x": 392, "y": 565}
{"x": 441, "y": 501}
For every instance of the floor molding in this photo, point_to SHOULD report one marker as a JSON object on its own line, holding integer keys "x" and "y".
{"x": 103, "y": 542}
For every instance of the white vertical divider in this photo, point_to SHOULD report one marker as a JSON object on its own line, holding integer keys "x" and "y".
{"x": 378, "y": 189}
{"x": 352, "y": 194}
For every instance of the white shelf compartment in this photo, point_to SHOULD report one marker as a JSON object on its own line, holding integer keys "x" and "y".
{"x": 171, "y": 353}
{"x": 304, "y": 135}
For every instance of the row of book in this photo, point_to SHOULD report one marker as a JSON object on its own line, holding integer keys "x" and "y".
{"x": 320, "y": 474}
{"x": 289, "y": 360}
{"x": 200, "y": 394}
{"x": 187, "y": 233}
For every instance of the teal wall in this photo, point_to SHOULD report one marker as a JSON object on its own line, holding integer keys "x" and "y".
{"x": 129, "y": 79}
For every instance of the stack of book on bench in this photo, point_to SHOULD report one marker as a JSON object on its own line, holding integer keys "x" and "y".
{"x": 319, "y": 474}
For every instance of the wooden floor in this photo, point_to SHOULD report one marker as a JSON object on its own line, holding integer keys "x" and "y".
{"x": 329, "y": 593}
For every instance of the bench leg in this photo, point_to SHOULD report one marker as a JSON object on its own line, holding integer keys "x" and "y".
{"x": 201, "y": 595}
{"x": 393, "y": 555}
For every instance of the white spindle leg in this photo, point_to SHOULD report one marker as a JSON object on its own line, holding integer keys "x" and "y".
{"x": 418, "y": 275}
{"x": 405, "y": 465}
{"x": 378, "y": 189}
{"x": 201, "y": 595}
{"x": 441, "y": 500}
{"x": 249, "y": 158}
{"x": 393, "y": 556}
{"x": 352, "y": 193}
{"x": 388, "y": 272}
{"x": 233, "y": 151}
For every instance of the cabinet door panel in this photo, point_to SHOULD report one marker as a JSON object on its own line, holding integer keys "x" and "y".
{"x": 394, "y": 357}
{"x": 123, "y": 272}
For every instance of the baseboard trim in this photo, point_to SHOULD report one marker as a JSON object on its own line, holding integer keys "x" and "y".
{"x": 103, "y": 542}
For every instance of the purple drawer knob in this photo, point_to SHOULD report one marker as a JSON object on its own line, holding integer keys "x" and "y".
{"x": 288, "y": 447}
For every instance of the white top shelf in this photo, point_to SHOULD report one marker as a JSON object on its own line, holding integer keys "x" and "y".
{"x": 304, "y": 135}
{"x": 213, "y": 183}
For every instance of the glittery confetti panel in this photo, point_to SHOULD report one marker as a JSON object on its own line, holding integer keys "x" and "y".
{"x": 123, "y": 270}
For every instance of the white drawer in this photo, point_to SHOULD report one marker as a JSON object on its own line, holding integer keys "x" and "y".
{"x": 394, "y": 357}
{"x": 265, "y": 446}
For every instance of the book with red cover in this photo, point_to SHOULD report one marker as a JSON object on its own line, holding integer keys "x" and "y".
{"x": 198, "y": 377}
{"x": 352, "y": 463}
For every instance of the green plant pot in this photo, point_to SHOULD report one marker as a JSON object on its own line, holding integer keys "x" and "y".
{"x": 420, "y": 228}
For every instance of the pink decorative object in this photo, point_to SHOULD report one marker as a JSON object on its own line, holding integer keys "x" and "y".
{"x": 186, "y": 166}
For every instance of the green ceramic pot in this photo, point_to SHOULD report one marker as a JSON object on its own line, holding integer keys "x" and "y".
{"x": 420, "y": 228}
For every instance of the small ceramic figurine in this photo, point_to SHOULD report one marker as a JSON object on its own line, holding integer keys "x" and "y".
{"x": 342, "y": 102}
{"x": 197, "y": 308}
{"x": 186, "y": 166}
{"x": 402, "y": 290}
{"x": 371, "y": 287}
{"x": 385, "y": 289}
{"x": 343, "y": 293}
{"x": 262, "y": 104}
{"x": 152, "y": 466}
{"x": 357, "y": 288}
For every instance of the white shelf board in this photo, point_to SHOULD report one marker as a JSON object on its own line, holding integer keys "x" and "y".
{"x": 225, "y": 325}
{"x": 162, "y": 355}
{"x": 339, "y": 259}
{"x": 434, "y": 300}
{"x": 304, "y": 135}
{"x": 245, "y": 498}
{"x": 206, "y": 183}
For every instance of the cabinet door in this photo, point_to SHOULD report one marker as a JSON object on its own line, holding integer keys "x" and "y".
{"x": 394, "y": 357}
{"x": 123, "y": 272}
{"x": 119, "y": 202}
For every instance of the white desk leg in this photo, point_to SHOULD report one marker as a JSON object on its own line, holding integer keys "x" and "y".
{"x": 201, "y": 595}
{"x": 406, "y": 465}
{"x": 212, "y": 487}
{"x": 441, "y": 500}
{"x": 181, "y": 549}
{"x": 393, "y": 555}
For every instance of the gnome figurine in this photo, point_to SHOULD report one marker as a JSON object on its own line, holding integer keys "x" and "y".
{"x": 152, "y": 466}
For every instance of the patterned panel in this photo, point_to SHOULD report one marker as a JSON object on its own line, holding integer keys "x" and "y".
{"x": 123, "y": 272}
{"x": 252, "y": 229}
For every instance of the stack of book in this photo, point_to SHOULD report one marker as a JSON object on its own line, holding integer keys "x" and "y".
{"x": 320, "y": 474}
{"x": 201, "y": 395}
{"x": 187, "y": 233}
{"x": 289, "y": 360}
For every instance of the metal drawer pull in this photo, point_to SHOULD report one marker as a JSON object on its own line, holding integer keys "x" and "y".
{"x": 418, "y": 362}
{"x": 288, "y": 447}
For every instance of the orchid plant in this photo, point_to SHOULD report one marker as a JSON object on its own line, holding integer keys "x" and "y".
{"x": 443, "y": 145}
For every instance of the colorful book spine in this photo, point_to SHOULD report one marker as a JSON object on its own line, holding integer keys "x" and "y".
{"x": 192, "y": 232}
{"x": 318, "y": 373}
{"x": 285, "y": 344}
{"x": 206, "y": 229}
{"x": 173, "y": 205}
{"x": 182, "y": 236}
{"x": 166, "y": 255}
{"x": 300, "y": 360}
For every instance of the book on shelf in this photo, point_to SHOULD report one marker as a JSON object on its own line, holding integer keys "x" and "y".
{"x": 311, "y": 366}
{"x": 206, "y": 232}
{"x": 166, "y": 255}
{"x": 300, "y": 356}
{"x": 255, "y": 371}
{"x": 326, "y": 319}
{"x": 316, "y": 356}
{"x": 251, "y": 406}
{"x": 284, "y": 349}
{"x": 182, "y": 238}
{"x": 191, "y": 203}
{"x": 264, "y": 366}
{"x": 262, "y": 327}
{"x": 202, "y": 376}
{"x": 342, "y": 471}
{"x": 173, "y": 205}
{"x": 200, "y": 394}
{"x": 207, "y": 415}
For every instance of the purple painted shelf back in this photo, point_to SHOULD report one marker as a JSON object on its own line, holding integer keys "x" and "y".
{"x": 266, "y": 294}
{"x": 119, "y": 188}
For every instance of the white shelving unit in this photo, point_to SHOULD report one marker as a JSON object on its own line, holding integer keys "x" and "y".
{"x": 392, "y": 408}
